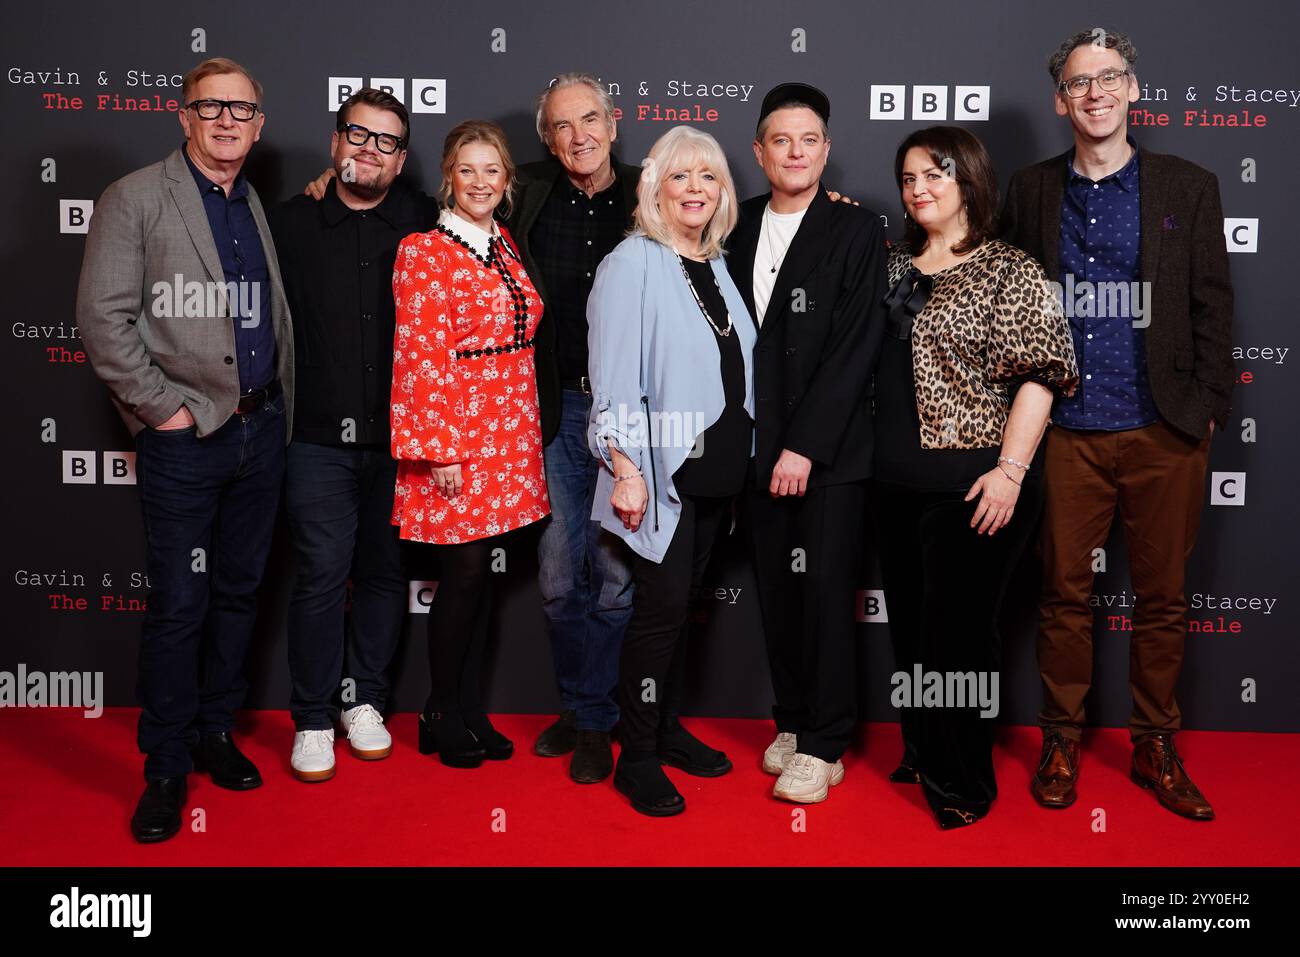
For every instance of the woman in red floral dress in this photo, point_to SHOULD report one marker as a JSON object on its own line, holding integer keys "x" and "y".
{"x": 465, "y": 424}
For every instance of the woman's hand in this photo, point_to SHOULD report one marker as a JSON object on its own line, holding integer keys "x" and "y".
{"x": 630, "y": 499}
{"x": 447, "y": 479}
{"x": 997, "y": 502}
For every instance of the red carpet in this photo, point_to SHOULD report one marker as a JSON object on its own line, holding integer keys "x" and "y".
{"x": 70, "y": 784}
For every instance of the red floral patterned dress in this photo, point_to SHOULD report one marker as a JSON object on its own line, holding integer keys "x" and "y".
{"x": 464, "y": 389}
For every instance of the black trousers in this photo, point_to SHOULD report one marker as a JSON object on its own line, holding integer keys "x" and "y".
{"x": 650, "y": 681}
{"x": 943, "y": 590}
{"x": 458, "y": 627}
{"x": 807, "y": 554}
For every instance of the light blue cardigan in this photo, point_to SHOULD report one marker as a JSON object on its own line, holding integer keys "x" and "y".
{"x": 654, "y": 361}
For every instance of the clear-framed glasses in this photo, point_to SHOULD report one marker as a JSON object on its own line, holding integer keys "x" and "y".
{"x": 1110, "y": 81}
{"x": 241, "y": 110}
{"x": 385, "y": 142}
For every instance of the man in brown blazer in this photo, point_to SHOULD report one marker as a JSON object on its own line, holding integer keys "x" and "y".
{"x": 1136, "y": 240}
{"x": 185, "y": 320}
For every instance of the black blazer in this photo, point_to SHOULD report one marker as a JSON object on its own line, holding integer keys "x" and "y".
{"x": 820, "y": 339}
{"x": 535, "y": 182}
{"x": 1183, "y": 256}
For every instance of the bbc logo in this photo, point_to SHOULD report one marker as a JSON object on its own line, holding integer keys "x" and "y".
{"x": 74, "y": 215}
{"x": 1227, "y": 488}
{"x": 871, "y": 606}
{"x": 1242, "y": 235}
{"x": 419, "y": 596}
{"x": 79, "y": 468}
{"x": 929, "y": 103}
{"x": 427, "y": 96}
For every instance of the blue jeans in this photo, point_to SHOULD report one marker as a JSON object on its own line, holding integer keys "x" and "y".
{"x": 585, "y": 576}
{"x": 339, "y": 502}
{"x": 209, "y": 511}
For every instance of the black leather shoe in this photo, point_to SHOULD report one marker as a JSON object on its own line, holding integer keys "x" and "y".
{"x": 446, "y": 736}
{"x": 681, "y": 749}
{"x": 158, "y": 812}
{"x": 496, "y": 746}
{"x": 218, "y": 755}
{"x": 593, "y": 758}
{"x": 560, "y": 738}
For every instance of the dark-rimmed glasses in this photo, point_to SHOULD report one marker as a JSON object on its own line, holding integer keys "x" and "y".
{"x": 384, "y": 142}
{"x": 241, "y": 110}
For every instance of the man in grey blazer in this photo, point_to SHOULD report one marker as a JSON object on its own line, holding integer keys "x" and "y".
{"x": 184, "y": 319}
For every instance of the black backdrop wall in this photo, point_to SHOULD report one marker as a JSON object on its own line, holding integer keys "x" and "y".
{"x": 1219, "y": 87}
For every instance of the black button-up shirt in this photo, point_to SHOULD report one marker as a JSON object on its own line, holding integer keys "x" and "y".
{"x": 337, "y": 265}
{"x": 573, "y": 233}
{"x": 243, "y": 260}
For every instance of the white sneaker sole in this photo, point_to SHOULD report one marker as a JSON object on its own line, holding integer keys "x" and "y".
{"x": 816, "y": 797}
{"x": 375, "y": 754}
{"x": 313, "y": 777}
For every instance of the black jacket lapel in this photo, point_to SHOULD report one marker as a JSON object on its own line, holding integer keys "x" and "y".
{"x": 801, "y": 258}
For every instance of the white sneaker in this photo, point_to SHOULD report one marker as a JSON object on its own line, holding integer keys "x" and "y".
{"x": 313, "y": 755}
{"x": 367, "y": 736}
{"x": 779, "y": 752}
{"x": 807, "y": 780}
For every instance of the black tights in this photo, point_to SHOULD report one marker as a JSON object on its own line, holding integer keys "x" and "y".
{"x": 458, "y": 627}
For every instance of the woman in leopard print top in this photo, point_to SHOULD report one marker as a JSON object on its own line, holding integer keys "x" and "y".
{"x": 975, "y": 348}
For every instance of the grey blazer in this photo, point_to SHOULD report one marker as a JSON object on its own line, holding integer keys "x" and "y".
{"x": 150, "y": 227}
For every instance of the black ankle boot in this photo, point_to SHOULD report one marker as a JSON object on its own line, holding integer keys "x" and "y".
{"x": 496, "y": 746}
{"x": 640, "y": 778}
{"x": 447, "y": 735}
{"x": 685, "y": 751}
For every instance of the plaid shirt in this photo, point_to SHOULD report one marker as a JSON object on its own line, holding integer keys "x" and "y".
{"x": 573, "y": 233}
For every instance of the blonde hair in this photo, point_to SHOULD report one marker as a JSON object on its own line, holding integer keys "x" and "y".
{"x": 218, "y": 66}
{"x": 680, "y": 147}
{"x": 476, "y": 131}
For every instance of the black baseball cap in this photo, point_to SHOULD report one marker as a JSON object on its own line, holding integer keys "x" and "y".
{"x": 800, "y": 94}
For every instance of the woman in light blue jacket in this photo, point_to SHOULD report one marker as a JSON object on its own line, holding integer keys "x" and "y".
{"x": 670, "y": 345}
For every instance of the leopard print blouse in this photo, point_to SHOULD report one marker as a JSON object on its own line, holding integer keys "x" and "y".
{"x": 990, "y": 322}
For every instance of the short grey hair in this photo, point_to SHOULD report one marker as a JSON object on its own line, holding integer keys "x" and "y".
{"x": 588, "y": 80}
{"x": 1097, "y": 36}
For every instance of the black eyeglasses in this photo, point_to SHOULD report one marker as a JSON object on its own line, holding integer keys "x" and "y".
{"x": 384, "y": 142}
{"x": 1078, "y": 86}
{"x": 241, "y": 110}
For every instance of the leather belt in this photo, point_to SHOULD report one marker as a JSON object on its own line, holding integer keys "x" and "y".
{"x": 252, "y": 401}
{"x": 582, "y": 385}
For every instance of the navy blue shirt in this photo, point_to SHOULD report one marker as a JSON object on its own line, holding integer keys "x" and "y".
{"x": 1101, "y": 232}
{"x": 243, "y": 260}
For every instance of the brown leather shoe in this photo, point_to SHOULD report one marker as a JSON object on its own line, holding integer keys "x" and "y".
{"x": 1156, "y": 765}
{"x": 1058, "y": 770}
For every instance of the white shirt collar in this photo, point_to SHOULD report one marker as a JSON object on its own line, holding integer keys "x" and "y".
{"x": 474, "y": 237}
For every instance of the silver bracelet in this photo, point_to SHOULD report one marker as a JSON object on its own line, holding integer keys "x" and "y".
{"x": 627, "y": 478}
{"x": 1008, "y": 475}
{"x": 1010, "y": 461}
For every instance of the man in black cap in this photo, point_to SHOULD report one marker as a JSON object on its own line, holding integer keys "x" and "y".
{"x": 812, "y": 272}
